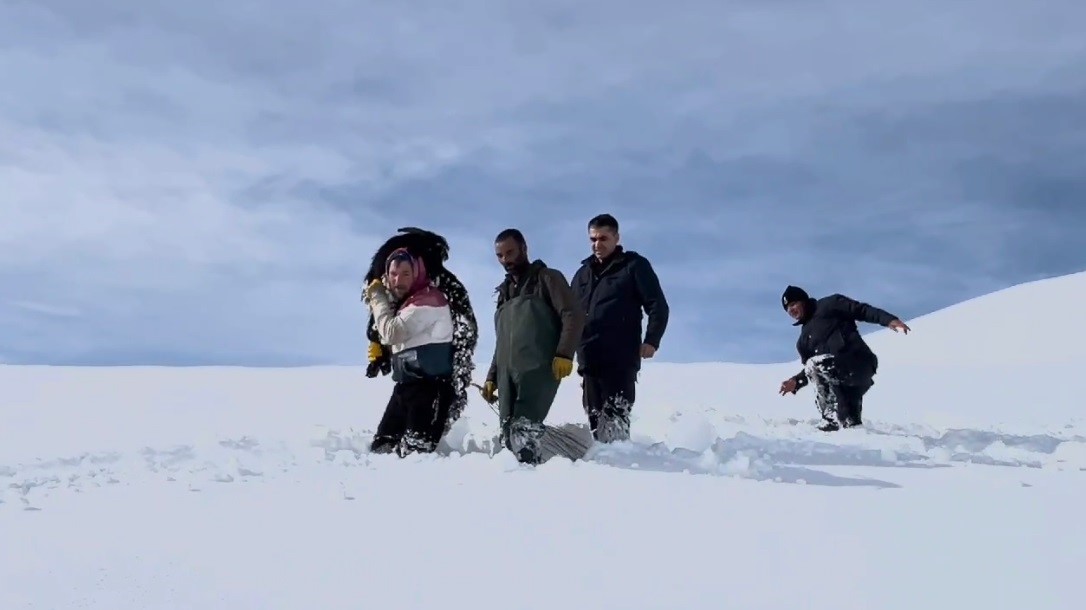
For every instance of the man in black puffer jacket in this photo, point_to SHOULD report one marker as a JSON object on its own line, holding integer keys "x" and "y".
{"x": 835, "y": 357}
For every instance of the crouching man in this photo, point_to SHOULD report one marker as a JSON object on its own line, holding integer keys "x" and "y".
{"x": 835, "y": 357}
{"x": 413, "y": 318}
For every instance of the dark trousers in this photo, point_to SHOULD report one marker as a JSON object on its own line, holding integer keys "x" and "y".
{"x": 839, "y": 394}
{"x": 414, "y": 419}
{"x": 608, "y": 399}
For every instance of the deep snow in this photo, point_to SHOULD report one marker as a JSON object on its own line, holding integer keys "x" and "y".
{"x": 217, "y": 488}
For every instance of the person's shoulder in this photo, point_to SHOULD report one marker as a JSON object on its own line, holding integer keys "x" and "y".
{"x": 636, "y": 259}
{"x": 582, "y": 272}
{"x": 502, "y": 286}
{"x": 638, "y": 264}
{"x": 552, "y": 275}
{"x": 430, "y": 297}
{"x": 836, "y": 304}
{"x": 835, "y": 299}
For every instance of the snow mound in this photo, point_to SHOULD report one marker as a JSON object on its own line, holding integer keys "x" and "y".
{"x": 142, "y": 487}
{"x": 1031, "y": 324}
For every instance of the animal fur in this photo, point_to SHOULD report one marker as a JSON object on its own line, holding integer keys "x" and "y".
{"x": 433, "y": 249}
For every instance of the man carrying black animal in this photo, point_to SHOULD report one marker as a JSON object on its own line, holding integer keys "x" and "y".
{"x": 412, "y": 316}
{"x": 430, "y": 251}
{"x": 834, "y": 355}
{"x": 613, "y": 286}
{"x": 538, "y": 323}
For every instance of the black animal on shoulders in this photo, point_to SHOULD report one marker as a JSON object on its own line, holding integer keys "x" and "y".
{"x": 433, "y": 249}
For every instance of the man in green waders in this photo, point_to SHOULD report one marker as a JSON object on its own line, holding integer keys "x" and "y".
{"x": 538, "y": 326}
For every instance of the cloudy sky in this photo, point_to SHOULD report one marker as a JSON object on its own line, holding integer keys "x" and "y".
{"x": 204, "y": 182}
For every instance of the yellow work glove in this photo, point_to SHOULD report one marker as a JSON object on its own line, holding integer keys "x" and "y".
{"x": 490, "y": 392}
{"x": 373, "y": 287}
{"x": 561, "y": 367}
{"x": 375, "y": 351}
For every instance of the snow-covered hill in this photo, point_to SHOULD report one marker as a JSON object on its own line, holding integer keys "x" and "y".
{"x": 216, "y": 488}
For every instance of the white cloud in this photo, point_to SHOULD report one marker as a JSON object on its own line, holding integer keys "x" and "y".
{"x": 228, "y": 168}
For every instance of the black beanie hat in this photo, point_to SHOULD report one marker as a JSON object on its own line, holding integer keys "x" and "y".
{"x": 793, "y": 294}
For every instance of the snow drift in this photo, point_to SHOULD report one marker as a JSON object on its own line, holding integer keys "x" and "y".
{"x": 219, "y": 488}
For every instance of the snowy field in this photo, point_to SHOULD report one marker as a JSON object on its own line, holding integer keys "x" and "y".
{"x": 220, "y": 488}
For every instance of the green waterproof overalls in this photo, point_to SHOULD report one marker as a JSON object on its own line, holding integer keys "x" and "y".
{"x": 527, "y": 333}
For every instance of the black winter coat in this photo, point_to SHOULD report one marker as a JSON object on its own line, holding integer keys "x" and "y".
{"x": 613, "y": 295}
{"x": 829, "y": 327}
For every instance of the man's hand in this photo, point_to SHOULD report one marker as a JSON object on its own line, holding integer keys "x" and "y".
{"x": 489, "y": 392}
{"x": 789, "y": 386}
{"x": 374, "y": 287}
{"x": 899, "y": 327}
{"x": 647, "y": 351}
{"x": 561, "y": 367}
{"x": 374, "y": 351}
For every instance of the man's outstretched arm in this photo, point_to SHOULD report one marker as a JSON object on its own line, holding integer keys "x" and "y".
{"x": 863, "y": 312}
